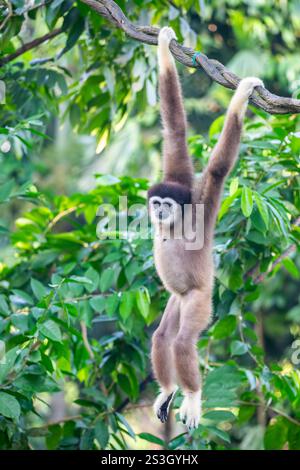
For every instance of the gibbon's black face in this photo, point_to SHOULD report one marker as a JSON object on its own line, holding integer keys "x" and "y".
{"x": 166, "y": 202}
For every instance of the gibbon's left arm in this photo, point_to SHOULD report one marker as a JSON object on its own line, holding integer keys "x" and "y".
{"x": 226, "y": 151}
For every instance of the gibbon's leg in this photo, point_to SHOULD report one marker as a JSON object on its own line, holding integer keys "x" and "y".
{"x": 177, "y": 165}
{"x": 162, "y": 357}
{"x": 195, "y": 311}
{"x": 226, "y": 151}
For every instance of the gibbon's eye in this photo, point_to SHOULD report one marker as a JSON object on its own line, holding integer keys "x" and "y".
{"x": 167, "y": 204}
{"x": 156, "y": 205}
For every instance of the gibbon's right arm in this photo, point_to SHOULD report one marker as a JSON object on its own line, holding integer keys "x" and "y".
{"x": 226, "y": 151}
{"x": 177, "y": 166}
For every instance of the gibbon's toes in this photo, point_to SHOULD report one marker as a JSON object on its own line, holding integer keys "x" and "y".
{"x": 190, "y": 410}
{"x": 162, "y": 405}
{"x": 166, "y": 34}
{"x": 248, "y": 84}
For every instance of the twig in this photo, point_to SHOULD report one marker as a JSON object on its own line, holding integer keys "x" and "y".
{"x": 279, "y": 412}
{"x": 86, "y": 340}
{"x": 261, "y": 97}
{"x": 60, "y": 215}
{"x": 259, "y": 278}
{"x": 8, "y": 16}
{"x": 30, "y": 45}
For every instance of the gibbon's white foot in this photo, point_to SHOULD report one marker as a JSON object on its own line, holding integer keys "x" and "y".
{"x": 243, "y": 92}
{"x": 162, "y": 404}
{"x": 165, "y": 58}
{"x": 190, "y": 410}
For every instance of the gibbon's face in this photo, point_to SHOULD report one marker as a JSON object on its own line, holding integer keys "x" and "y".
{"x": 164, "y": 211}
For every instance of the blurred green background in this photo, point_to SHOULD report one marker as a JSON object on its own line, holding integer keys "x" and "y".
{"x": 80, "y": 126}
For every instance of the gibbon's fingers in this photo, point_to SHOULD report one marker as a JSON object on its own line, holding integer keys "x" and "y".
{"x": 165, "y": 58}
{"x": 238, "y": 104}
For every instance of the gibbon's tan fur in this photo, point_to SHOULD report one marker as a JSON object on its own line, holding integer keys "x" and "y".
{"x": 187, "y": 275}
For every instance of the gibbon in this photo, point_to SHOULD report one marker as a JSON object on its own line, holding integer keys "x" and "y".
{"x": 187, "y": 275}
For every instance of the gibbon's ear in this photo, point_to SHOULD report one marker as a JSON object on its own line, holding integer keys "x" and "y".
{"x": 176, "y": 191}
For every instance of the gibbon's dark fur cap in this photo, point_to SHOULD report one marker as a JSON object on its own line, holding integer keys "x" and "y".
{"x": 176, "y": 191}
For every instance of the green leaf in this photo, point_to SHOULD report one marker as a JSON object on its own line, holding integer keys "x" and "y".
{"x": 50, "y": 330}
{"x": 101, "y": 433}
{"x": 219, "y": 415}
{"x": 98, "y": 303}
{"x": 234, "y": 185}
{"x": 94, "y": 277}
{"x": 224, "y": 327}
{"x": 5, "y": 190}
{"x": 151, "y": 438}
{"x": 126, "y": 304}
{"x": 7, "y": 362}
{"x": 263, "y": 208}
{"x": 107, "y": 279}
{"x": 291, "y": 267}
{"x": 9, "y": 406}
{"x": 275, "y": 435}
{"x": 219, "y": 433}
{"x": 126, "y": 424}
{"x": 142, "y": 301}
{"x": 4, "y": 308}
{"x": 238, "y": 348}
{"x": 38, "y": 289}
{"x": 246, "y": 201}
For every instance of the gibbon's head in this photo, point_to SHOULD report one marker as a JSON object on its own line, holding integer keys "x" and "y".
{"x": 166, "y": 202}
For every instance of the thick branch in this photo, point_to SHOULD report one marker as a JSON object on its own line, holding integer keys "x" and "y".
{"x": 261, "y": 97}
{"x": 30, "y": 45}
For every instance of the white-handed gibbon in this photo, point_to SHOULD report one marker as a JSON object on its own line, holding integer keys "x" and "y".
{"x": 187, "y": 275}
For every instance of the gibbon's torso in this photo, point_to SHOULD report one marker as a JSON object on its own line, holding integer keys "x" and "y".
{"x": 179, "y": 269}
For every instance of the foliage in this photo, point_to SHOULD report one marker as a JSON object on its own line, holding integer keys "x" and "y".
{"x": 76, "y": 310}
{"x": 64, "y": 277}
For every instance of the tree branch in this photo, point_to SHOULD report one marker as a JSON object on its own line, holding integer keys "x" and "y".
{"x": 261, "y": 98}
{"x": 30, "y": 45}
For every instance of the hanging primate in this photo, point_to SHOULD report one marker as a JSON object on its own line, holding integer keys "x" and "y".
{"x": 186, "y": 274}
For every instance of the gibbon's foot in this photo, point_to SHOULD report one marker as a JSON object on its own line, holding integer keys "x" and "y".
{"x": 166, "y": 34}
{"x": 162, "y": 405}
{"x": 190, "y": 410}
{"x": 247, "y": 85}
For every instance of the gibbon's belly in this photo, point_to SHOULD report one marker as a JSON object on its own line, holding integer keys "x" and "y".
{"x": 178, "y": 269}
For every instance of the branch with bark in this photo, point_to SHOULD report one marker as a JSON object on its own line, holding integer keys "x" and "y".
{"x": 30, "y": 45}
{"x": 261, "y": 97}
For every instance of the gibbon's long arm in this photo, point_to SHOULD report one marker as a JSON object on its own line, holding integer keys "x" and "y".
{"x": 177, "y": 165}
{"x": 226, "y": 151}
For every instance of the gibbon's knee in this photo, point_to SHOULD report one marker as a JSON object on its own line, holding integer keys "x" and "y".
{"x": 159, "y": 338}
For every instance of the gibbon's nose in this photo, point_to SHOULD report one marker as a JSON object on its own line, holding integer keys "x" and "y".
{"x": 160, "y": 215}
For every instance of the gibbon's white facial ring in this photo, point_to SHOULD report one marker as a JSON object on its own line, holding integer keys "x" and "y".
{"x": 163, "y": 210}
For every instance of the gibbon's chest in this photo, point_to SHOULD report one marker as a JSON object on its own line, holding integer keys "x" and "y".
{"x": 174, "y": 265}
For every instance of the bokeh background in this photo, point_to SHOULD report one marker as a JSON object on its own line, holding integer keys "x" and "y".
{"x": 79, "y": 126}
